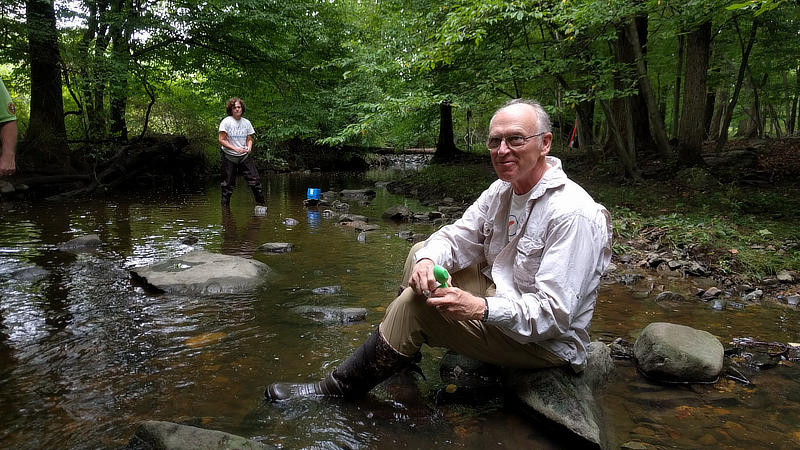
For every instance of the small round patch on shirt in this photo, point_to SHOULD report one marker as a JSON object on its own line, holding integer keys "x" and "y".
{"x": 513, "y": 225}
{"x": 11, "y": 108}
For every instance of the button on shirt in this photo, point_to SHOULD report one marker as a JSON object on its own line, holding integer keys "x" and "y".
{"x": 546, "y": 276}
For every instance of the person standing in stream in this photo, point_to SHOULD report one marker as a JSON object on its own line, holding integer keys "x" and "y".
{"x": 236, "y": 141}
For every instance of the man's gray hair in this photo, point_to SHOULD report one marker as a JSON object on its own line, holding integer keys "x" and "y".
{"x": 542, "y": 119}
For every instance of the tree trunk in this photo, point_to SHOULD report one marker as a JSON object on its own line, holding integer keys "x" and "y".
{"x": 654, "y": 118}
{"x": 726, "y": 123}
{"x": 793, "y": 115}
{"x": 636, "y": 106}
{"x": 758, "y": 117}
{"x": 692, "y": 130}
{"x": 719, "y": 113}
{"x": 47, "y": 134}
{"x": 676, "y": 96}
{"x": 708, "y": 115}
{"x": 446, "y": 148}
{"x": 788, "y": 100}
{"x": 85, "y": 87}
{"x": 626, "y": 153}
{"x": 776, "y": 126}
{"x": 120, "y": 39}
{"x": 584, "y": 113}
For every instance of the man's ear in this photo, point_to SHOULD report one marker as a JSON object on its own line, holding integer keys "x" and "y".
{"x": 547, "y": 141}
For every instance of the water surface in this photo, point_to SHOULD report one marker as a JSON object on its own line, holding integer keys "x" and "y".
{"x": 85, "y": 354}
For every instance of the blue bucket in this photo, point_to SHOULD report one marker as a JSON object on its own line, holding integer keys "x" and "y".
{"x": 313, "y": 194}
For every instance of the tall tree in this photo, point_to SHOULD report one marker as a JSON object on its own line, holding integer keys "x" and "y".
{"x": 47, "y": 135}
{"x": 655, "y": 119}
{"x": 726, "y": 121}
{"x": 446, "y": 148}
{"x": 692, "y": 123}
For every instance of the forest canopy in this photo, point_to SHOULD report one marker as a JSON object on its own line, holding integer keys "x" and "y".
{"x": 639, "y": 80}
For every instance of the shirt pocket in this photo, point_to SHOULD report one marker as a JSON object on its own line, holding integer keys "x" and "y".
{"x": 527, "y": 261}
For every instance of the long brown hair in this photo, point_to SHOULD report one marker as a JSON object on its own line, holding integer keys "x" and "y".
{"x": 231, "y": 103}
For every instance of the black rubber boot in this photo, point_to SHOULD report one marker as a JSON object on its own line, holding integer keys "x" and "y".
{"x": 258, "y": 194}
{"x": 373, "y": 362}
{"x": 225, "y": 200}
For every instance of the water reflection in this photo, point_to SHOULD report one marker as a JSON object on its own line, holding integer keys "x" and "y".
{"x": 242, "y": 243}
{"x": 85, "y": 355}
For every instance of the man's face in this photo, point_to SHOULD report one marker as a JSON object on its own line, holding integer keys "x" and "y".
{"x": 522, "y": 165}
{"x": 237, "y": 111}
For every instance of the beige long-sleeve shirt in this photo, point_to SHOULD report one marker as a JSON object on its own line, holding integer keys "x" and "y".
{"x": 546, "y": 276}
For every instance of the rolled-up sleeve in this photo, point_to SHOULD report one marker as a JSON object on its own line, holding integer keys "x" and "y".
{"x": 460, "y": 244}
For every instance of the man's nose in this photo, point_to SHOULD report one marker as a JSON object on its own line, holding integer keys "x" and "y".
{"x": 503, "y": 146}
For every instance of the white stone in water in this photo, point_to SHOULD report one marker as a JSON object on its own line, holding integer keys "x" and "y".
{"x": 260, "y": 210}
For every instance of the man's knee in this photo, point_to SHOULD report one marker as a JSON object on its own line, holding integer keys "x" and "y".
{"x": 407, "y": 306}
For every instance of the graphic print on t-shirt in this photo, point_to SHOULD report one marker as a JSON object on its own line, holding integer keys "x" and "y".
{"x": 513, "y": 225}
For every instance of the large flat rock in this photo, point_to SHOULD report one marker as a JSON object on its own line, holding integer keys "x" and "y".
{"x": 202, "y": 272}
{"x": 156, "y": 435}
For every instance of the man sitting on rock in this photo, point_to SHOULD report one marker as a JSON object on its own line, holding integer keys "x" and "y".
{"x": 526, "y": 259}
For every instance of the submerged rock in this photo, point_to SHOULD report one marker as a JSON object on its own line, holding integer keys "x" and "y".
{"x": 327, "y": 290}
{"x": 332, "y": 315}
{"x": 202, "y": 272}
{"x": 80, "y": 243}
{"x": 32, "y": 274}
{"x": 157, "y": 435}
{"x": 275, "y": 247}
{"x": 362, "y": 194}
{"x": 565, "y": 399}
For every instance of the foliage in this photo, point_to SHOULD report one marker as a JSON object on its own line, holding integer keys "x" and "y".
{"x": 348, "y": 72}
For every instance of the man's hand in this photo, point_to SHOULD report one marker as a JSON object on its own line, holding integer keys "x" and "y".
{"x": 422, "y": 280}
{"x": 456, "y": 304}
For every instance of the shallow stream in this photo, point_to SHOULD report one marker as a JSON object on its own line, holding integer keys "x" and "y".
{"x": 85, "y": 354}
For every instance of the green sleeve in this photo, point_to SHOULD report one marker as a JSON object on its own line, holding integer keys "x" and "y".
{"x": 8, "y": 111}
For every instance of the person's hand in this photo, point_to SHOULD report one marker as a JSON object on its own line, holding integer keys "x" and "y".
{"x": 456, "y": 304}
{"x": 422, "y": 280}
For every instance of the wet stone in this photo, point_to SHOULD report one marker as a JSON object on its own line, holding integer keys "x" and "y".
{"x": 677, "y": 353}
{"x": 711, "y": 293}
{"x": 30, "y": 274}
{"x": 87, "y": 242}
{"x": 362, "y": 194}
{"x": 327, "y": 290}
{"x": 332, "y": 315}
{"x": 202, "y": 272}
{"x": 157, "y": 435}
{"x": 275, "y": 247}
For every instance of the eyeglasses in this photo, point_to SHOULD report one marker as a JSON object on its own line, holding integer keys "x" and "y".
{"x": 513, "y": 141}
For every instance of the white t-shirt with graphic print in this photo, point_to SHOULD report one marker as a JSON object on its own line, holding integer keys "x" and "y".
{"x": 517, "y": 213}
{"x": 237, "y": 131}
